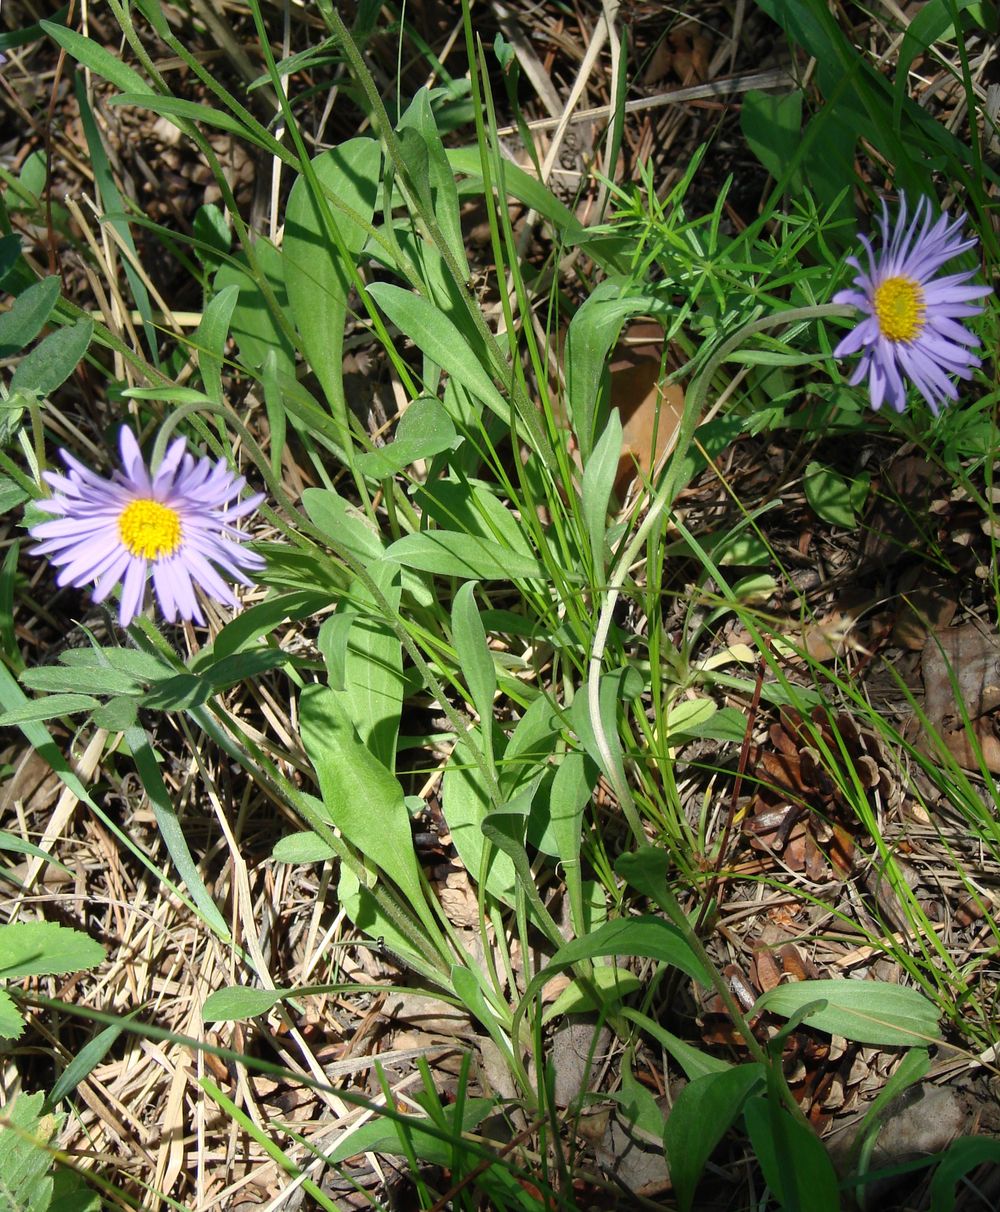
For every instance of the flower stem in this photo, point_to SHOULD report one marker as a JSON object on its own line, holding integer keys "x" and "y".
{"x": 664, "y": 498}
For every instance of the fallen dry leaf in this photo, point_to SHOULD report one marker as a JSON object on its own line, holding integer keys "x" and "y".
{"x": 651, "y": 412}
{"x": 924, "y": 608}
{"x": 965, "y": 658}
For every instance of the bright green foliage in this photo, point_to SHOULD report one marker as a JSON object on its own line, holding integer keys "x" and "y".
{"x": 704, "y": 1111}
{"x": 40, "y": 949}
{"x": 27, "y": 1180}
{"x": 871, "y": 1012}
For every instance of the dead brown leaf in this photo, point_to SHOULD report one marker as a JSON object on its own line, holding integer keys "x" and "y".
{"x": 967, "y": 660}
{"x": 651, "y": 412}
{"x": 925, "y": 608}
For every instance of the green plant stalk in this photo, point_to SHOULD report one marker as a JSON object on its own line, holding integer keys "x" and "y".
{"x": 301, "y": 163}
{"x": 267, "y": 776}
{"x": 275, "y": 1152}
{"x": 457, "y": 719}
{"x": 524, "y": 406}
{"x": 339, "y": 402}
{"x": 662, "y": 500}
{"x": 11, "y": 469}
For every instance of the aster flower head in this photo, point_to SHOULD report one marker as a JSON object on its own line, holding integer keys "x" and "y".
{"x": 910, "y": 327}
{"x": 177, "y": 522}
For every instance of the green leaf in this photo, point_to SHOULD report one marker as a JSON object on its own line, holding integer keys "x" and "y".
{"x": 255, "y": 327}
{"x": 772, "y": 126}
{"x": 260, "y": 620}
{"x": 11, "y": 494}
{"x": 45, "y": 949}
{"x": 53, "y": 359}
{"x": 472, "y": 506}
{"x": 139, "y": 666}
{"x": 612, "y": 984}
{"x": 868, "y": 1012}
{"x": 103, "y": 62}
{"x": 381, "y": 1136}
{"x": 222, "y": 672}
{"x": 638, "y": 1105}
{"x": 370, "y": 920}
{"x": 701, "y": 1115}
{"x": 726, "y": 724}
{"x": 429, "y": 172}
{"x": 912, "y": 1068}
{"x": 234, "y": 1004}
{"x": 192, "y": 111}
{"x": 471, "y": 989}
{"x": 27, "y": 34}
{"x": 572, "y": 788}
{"x": 591, "y": 334}
{"x": 86, "y": 1060}
{"x": 436, "y": 336}
{"x": 211, "y": 336}
{"x": 305, "y": 847}
{"x": 168, "y": 393}
{"x": 504, "y": 52}
{"x": 11, "y": 1021}
{"x": 530, "y": 745}
{"x": 213, "y": 234}
{"x": 527, "y": 189}
{"x": 10, "y": 251}
{"x": 649, "y": 937}
{"x": 318, "y": 277}
{"x": 931, "y": 22}
{"x": 25, "y": 1156}
{"x": 424, "y": 430}
{"x": 70, "y": 1193}
{"x": 686, "y": 716}
{"x": 465, "y": 802}
{"x": 343, "y": 523}
{"x": 598, "y": 480}
{"x": 332, "y": 643}
{"x": 116, "y": 714}
{"x": 26, "y": 317}
{"x": 47, "y": 708}
{"x": 795, "y": 1165}
{"x": 177, "y": 693}
{"x": 959, "y": 1158}
{"x": 695, "y": 1062}
{"x": 738, "y": 548}
{"x": 615, "y": 688}
{"x": 831, "y": 496}
{"x": 372, "y": 685}
{"x": 449, "y": 553}
{"x": 69, "y": 679}
{"x": 362, "y": 799}
{"x": 30, "y": 181}
{"x": 474, "y": 657}
{"x": 17, "y": 845}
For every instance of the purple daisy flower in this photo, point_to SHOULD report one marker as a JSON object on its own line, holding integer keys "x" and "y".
{"x": 909, "y": 327}
{"x": 177, "y": 521}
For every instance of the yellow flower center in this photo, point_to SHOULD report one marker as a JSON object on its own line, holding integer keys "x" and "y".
{"x": 899, "y": 306}
{"x": 149, "y": 529}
